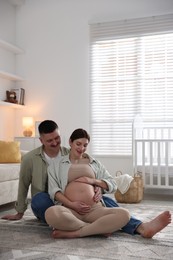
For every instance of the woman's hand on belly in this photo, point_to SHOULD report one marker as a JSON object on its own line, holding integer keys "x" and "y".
{"x": 97, "y": 190}
{"x": 80, "y": 207}
{"x": 98, "y": 194}
{"x": 80, "y": 192}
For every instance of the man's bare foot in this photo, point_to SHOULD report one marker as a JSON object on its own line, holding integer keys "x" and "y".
{"x": 149, "y": 229}
{"x": 16, "y": 216}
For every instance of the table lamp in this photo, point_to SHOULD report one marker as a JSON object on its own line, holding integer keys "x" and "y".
{"x": 27, "y": 123}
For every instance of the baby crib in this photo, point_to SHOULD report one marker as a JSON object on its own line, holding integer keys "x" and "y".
{"x": 153, "y": 153}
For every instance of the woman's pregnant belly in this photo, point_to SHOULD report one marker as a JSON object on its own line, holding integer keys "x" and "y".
{"x": 78, "y": 191}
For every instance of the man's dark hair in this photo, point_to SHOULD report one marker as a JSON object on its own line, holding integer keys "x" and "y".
{"x": 79, "y": 133}
{"x": 47, "y": 126}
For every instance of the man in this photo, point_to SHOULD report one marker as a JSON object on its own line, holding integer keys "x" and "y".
{"x": 34, "y": 172}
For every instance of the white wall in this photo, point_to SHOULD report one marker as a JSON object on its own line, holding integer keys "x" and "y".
{"x": 7, "y": 63}
{"x": 55, "y": 35}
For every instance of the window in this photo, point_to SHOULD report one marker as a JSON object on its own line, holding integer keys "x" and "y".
{"x": 131, "y": 73}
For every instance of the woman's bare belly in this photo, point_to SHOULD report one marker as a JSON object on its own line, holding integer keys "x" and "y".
{"x": 78, "y": 191}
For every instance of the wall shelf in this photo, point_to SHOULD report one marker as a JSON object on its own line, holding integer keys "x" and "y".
{"x": 16, "y": 50}
{"x": 12, "y": 105}
{"x": 10, "y": 47}
{"x": 10, "y": 76}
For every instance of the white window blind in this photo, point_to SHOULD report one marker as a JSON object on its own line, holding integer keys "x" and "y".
{"x": 131, "y": 72}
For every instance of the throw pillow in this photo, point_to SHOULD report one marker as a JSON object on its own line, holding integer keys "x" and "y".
{"x": 10, "y": 152}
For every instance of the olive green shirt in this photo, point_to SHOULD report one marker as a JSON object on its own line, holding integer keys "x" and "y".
{"x": 33, "y": 171}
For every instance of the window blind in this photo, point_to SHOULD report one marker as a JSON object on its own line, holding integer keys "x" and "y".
{"x": 131, "y": 72}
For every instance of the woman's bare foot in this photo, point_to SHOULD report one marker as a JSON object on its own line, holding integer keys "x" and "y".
{"x": 65, "y": 234}
{"x": 107, "y": 234}
{"x": 149, "y": 229}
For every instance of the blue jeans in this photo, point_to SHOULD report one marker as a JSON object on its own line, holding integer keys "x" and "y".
{"x": 42, "y": 201}
{"x": 39, "y": 203}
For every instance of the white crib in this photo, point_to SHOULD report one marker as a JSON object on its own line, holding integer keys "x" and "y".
{"x": 153, "y": 153}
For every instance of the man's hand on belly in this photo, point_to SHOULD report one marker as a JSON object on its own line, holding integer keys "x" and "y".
{"x": 80, "y": 207}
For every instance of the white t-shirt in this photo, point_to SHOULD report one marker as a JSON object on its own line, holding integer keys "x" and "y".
{"x": 51, "y": 159}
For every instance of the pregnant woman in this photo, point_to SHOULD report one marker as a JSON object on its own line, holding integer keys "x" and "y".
{"x": 71, "y": 185}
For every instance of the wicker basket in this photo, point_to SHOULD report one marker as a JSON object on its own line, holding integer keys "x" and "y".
{"x": 134, "y": 193}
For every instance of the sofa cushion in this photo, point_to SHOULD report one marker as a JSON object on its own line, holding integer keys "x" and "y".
{"x": 10, "y": 152}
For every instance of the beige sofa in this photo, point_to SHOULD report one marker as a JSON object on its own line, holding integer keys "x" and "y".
{"x": 9, "y": 179}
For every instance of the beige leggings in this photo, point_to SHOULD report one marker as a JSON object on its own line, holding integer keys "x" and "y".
{"x": 100, "y": 220}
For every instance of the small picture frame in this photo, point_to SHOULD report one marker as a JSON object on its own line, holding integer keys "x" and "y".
{"x": 36, "y": 128}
